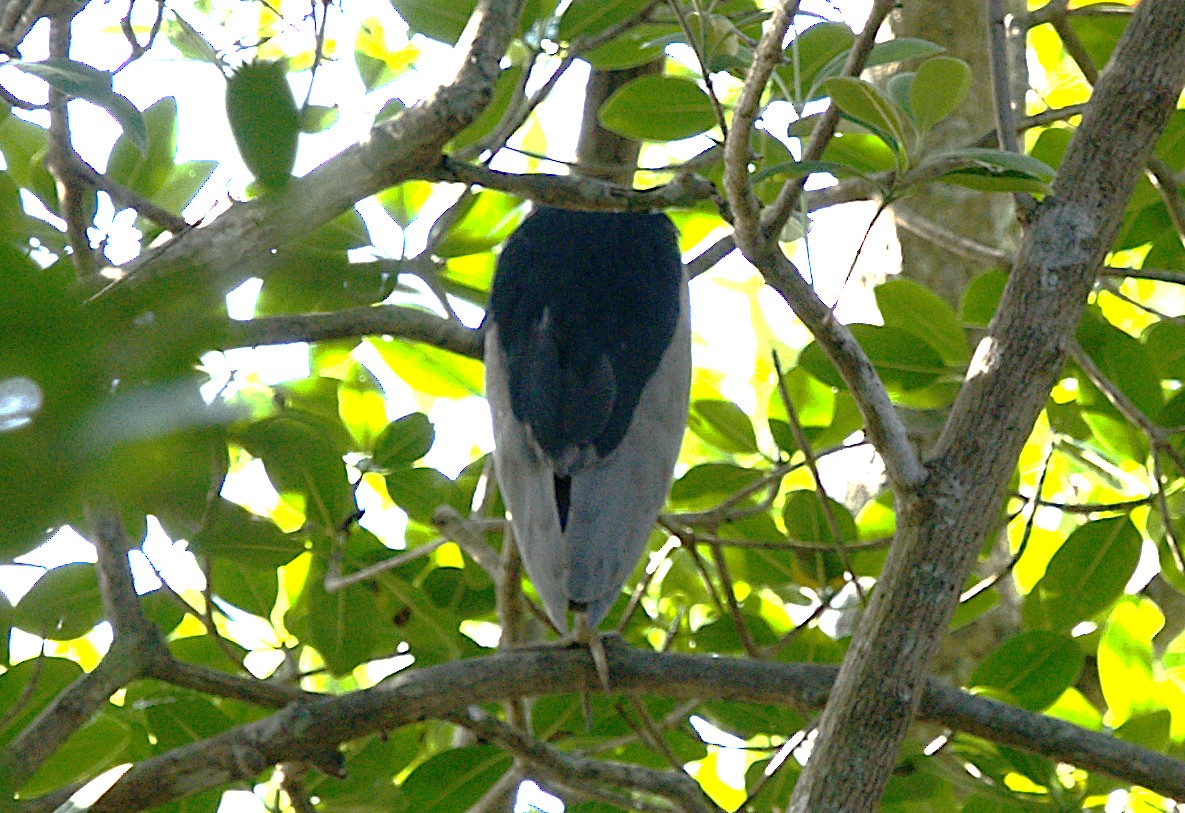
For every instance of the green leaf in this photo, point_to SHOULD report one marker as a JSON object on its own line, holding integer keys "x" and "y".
{"x": 300, "y": 458}
{"x": 813, "y": 400}
{"x": 420, "y": 491}
{"x": 316, "y": 118}
{"x": 982, "y": 297}
{"x": 146, "y": 170}
{"x": 995, "y": 170}
{"x": 340, "y": 624}
{"x": 486, "y": 220}
{"x": 805, "y": 521}
{"x": 940, "y": 86}
{"x": 233, "y": 532}
{"x": 1031, "y": 669}
{"x": 1087, "y": 574}
{"x": 249, "y": 587}
{"x": 24, "y": 145}
{"x": 641, "y": 44}
{"x": 708, "y": 483}
{"x": 442, "y": 20}
{"x": 864, "y": 153}
{"x": 62, "y": 605}
{"x": 404, "y": 201}
{"x": 814, "y": 55}
{"x": 865, "y": 104}
{"x": 455, "y": 779}
{"x": 899, "y": 50}
{"x": 28, "y": 687}
{"x": 431, "y": 371}
{"x": 178, "y": 718}
{"x": 504, "y": 89}
{"x": 1125, "y": 362}
{"x": 903, "y": 361}
{"x": 1126, "y": 660}
{"x": 658, "y": 108}
{"x": 916, "y": 309}
{"x": 1165, "y": 342}
{"x": 724, "y": 425}
{"x": 81, "y": 81}
{"x": 404, "y": 441}
{"x": 584, "y": 18}
{"x": 89, "y": 751}
{"x": 264, "y": 120}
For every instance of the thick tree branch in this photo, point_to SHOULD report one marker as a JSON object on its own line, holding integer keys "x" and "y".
{"x": 941, "y": 526}
{"x": 312, "y": 730}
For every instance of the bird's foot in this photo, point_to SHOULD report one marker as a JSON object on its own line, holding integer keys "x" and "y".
{"x": 583, "y": 636}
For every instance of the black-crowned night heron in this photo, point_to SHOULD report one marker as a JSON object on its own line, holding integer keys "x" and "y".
{"x": 588, "y": 366}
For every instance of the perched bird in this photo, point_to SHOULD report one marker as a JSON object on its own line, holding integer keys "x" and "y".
{"x": 588, "y": 367}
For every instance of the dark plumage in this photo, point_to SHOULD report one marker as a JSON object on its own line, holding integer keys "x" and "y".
{"x": 587, "y": 374}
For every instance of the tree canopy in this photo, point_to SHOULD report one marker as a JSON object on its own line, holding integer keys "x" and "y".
{"x": 301, "y": 583}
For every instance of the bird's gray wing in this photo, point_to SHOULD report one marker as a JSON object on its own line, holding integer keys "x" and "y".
{"x": 615, "y": 501}
{"x": 527, "y": 483}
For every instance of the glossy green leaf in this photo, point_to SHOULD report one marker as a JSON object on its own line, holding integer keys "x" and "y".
{"x": 584, "y": 18}
{"x": 1086, "y": 575}
{"x": 232, "y": 532}
{"x": 442, "y": 20}
{"x": 724, "y": 425}
{"x": 813, "y": 401}
{"x": 982, "y": 297}
{"x": 903, "y": 361}
{"x": 658, "y": 108}
{"x": 63, "y": 604}
{"x": 1031, "y": 669}
{"x": 5, "y": 628}
{"x": 865, "y": 153}
{"x": 1126, "y": 661}
{"x": 404, "y": 201}
{"x": 24, "y": 145}
{"x": 916, "y": 309}
{"x": 404, "y": 441}
{"x": 940, "y": 86}
{"x": 864, "y": 103}
{"x": 1126, "y": 362}
{"x": 81, "y": 81}
{"x": 455, "y": 779}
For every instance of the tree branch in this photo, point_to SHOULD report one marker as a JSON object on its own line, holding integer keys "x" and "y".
{"x": 396, "y": 149}
{"x": 310, "y": 730}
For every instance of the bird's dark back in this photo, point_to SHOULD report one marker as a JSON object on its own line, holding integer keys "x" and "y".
{"x": 585, "y": 304}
